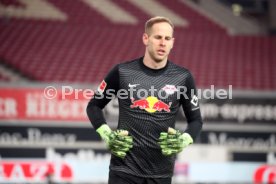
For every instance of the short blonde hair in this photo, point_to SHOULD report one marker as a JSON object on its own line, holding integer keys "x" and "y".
{"x": 154, "y": 20}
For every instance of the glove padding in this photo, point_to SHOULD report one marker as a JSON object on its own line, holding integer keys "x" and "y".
{"x": 118, "y": 142}
{"x": 173, "y": 141}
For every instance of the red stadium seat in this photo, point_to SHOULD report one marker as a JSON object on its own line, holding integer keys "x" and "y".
{"x": 85, "y": 47}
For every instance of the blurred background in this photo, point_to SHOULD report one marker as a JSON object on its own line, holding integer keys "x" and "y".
{"x": 54, "y": 52}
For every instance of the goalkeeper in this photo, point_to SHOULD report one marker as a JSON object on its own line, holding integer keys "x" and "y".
{"x": 144, "y": 144}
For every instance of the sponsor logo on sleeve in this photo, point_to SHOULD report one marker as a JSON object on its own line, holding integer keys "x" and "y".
{"x": 102, "y": 87}
{"x": 194, "y": 102}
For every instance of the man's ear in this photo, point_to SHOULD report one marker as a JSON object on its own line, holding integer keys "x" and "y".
{"x": 172, "y": 42}
{"x": 145, "y": 39}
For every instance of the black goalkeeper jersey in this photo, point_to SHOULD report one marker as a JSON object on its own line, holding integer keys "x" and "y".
{"x": 149, "y": 101}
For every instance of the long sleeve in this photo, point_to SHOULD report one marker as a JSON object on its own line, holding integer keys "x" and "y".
{"x": 190, "y": 104}
{"x": 104, "y": 93}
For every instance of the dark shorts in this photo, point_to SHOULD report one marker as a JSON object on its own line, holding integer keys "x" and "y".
{"x": 123, "y": 178}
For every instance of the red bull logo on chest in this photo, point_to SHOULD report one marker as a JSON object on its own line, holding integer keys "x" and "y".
{"x": 150, "y": 104}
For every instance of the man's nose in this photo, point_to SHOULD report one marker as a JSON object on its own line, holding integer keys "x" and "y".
{"x": 162, "y": 42}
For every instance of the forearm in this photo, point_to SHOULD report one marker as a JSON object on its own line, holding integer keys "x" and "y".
{"x": 194, "y": 127}
{"x": 95, "y": 115}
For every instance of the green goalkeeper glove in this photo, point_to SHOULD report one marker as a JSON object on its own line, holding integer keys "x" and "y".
{"x": 173, "y": 142}
{"x": 118, "y": 142}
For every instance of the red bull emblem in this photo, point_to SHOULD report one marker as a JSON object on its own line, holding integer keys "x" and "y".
{"x": 151, "y": 104}
{"x": 159, "y": 106}
{"x": 169, "y": 89}
{"x": 142, "y": 104}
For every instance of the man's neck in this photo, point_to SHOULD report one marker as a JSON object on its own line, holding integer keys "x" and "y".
{"x": 150, "y": 63}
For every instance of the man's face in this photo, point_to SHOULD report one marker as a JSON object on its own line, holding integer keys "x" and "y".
{"x": 159, "y": 41}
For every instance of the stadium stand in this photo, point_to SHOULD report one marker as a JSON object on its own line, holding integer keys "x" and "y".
{"x": 84, "y": 45}
{"x": 3, "y": 78}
